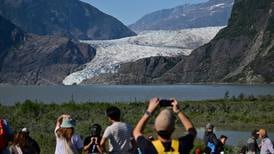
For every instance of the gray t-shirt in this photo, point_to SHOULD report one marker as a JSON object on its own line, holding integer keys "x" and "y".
{"x": 119, "y": 137}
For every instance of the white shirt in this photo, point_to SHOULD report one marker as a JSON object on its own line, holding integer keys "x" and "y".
{"x": 119, "y": 137}
{"x": 62, "y": 146}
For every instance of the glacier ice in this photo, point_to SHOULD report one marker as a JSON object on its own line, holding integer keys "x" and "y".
{"x": 111, "y": 53}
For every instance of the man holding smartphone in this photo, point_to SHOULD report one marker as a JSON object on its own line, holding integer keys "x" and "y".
{"x": 165, "y": 126}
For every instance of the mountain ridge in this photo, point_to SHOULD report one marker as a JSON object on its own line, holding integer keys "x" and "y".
{"x": 71, "y": 18}
{"x": 207, "y": 14}
{"x": 29, "y": 59}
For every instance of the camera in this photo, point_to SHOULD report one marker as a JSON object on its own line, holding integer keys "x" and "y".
{"x": 165, "y": 102}
{"x": 93, "y": 140}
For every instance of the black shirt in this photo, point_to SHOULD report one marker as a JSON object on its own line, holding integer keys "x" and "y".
{"x": 185, "y": 145}
{"x": 252, "y": 145}
{"x": 31, "y": 147}
{"x": 209, "y": 137}
{"x": 93, "y": 147}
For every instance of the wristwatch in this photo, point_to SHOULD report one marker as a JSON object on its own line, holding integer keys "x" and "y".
{"x": 148, "y": 113}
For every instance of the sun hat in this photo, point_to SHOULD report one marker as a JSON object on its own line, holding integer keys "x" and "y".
{"x": 68, "y": 123}
{"x": 165, "y": 121}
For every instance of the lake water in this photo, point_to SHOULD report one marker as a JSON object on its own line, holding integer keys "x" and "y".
{"x": 128, "y": 93}
{"x": 234, "y": 137}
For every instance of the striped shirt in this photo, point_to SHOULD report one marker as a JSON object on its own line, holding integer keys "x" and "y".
{"x": 119, "y": 137}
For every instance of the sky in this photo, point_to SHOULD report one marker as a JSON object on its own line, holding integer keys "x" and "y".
{"x": 129, "y": 11}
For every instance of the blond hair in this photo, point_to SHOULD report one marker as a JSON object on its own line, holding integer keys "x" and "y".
{"x": 262, "y": 132}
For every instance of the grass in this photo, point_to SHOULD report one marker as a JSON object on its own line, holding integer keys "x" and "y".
{"x": 237, "y": 113}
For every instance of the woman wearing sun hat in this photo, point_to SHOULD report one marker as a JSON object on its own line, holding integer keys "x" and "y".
{"x": 64, "y": 132}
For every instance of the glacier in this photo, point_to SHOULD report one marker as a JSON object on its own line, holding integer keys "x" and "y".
{"x": 111, "y": 53}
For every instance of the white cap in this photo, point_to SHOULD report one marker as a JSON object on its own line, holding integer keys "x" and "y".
{"x": 25, "y": 130}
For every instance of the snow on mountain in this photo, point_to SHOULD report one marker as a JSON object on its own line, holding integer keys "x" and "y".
{"x": 111, "y": 53}
{"x": 222, "y": 5}
{"x": 204, "y": 14}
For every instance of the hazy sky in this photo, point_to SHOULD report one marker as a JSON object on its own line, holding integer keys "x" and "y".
{"x": 129, "y": 11}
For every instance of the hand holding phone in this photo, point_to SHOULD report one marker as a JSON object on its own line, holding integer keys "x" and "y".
{"x": 165, "y": 102}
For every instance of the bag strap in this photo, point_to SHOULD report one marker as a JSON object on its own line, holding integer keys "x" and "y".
{"x": 161, "y": 149}
{"x": 175, "y": 145}
{"x": 158, "y": 146}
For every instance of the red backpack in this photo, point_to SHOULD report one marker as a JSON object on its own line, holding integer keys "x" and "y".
{"x": 3, "y": 135}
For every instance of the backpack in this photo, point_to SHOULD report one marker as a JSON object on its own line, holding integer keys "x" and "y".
{"x": 212, "y": 147}
{"x": 3, "y": 135}
{"x": 161, "y": 149}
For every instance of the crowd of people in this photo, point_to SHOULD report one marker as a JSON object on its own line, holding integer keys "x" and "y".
{"x": 16, "y": 143}
{"x": 120, "y": 138}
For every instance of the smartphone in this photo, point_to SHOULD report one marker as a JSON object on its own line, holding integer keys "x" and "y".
{"x": 165, "y": 102}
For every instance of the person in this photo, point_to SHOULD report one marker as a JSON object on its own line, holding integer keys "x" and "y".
{"x": 210, "y": 139}
{"x": 5, "y": 136}
{"x": 266, "y": 146}
{"x": 27, "y": 144}
{"x": 15, "y": 146}
{"x": 164, "y": 126}
{"x": 66, "y": 141}
{"x": 252, "y": 145}
{"x": 220, "y": 145}
{"x": 118, "y": 134}
{"x": 92, "y": 142}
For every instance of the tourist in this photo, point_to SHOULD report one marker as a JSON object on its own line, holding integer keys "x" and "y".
{"x": 118, "y": 134}
{"x": 266, "y": 146}
{"x": 66, "y": 141}
{"x": 210, "y": 139}
{"x": 252, "y": 145}
{"x": 164, "y": 126}
{"x": 220, "y": 145}
{"x": 5, "y": 136}
{"x": 92, "y": 142}
{"x": 15, "y": 146}
{"x": 27, "y": 144}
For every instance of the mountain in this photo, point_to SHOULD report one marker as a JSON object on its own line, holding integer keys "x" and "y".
{"x": 111, "y": 54}
{"x": 242, "y": 52}
{"x": 71, "y": 18}
{"x": 31, "y": 59}
{"x": 10, "y": 35}
{"x": 211, "y": 13}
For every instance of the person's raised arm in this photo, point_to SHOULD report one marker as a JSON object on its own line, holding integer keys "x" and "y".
{"x": 87, "y": 146}
{"x": 97, "y": 144}
{"x": 59, "y": 120}
{"x": 183, "y": 118}
{"x": 138, "y": 130}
